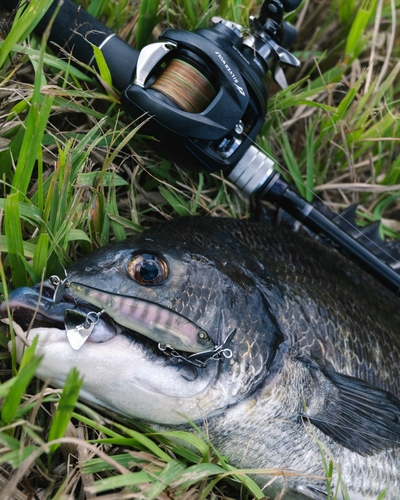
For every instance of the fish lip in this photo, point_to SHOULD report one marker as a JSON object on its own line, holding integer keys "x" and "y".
{"x": 33, "y": 308}
{"x": 27, "y": 303}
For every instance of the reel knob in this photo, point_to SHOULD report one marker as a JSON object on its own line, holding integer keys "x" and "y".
{"x": 290, "y": 5}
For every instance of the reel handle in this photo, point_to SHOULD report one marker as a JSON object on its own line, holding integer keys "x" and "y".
{"x": 75, "y": 30}
{"x": 290, "y": 5}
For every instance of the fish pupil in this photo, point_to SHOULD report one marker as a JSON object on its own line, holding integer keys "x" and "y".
{"x": 149, "y": 270}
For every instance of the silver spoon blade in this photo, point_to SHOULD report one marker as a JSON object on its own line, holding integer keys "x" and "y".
{"x": 76, "y": 329}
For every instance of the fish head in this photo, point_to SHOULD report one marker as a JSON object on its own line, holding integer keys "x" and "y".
{"x": 189, "y": 279}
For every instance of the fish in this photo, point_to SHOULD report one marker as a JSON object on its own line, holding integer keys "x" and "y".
{"x": 303, "y": 353}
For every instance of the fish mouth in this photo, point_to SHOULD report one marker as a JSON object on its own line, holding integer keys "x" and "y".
{"x": 122, "y": 369}
{"x": 34, "y": 311}
{"x": 34, "y": 308}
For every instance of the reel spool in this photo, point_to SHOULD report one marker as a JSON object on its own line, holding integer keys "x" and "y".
{"x": 186, "y": 86}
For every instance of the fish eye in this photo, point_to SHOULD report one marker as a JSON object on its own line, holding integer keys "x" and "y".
{"x": 148, "y": 268}
{"x": 202, "y": 335}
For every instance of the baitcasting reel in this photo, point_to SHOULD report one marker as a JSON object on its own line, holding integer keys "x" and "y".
{"x": 205, "y": 89}
{"x": 205, "y": 95}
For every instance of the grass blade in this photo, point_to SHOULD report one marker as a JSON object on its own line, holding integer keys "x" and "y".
{"x": 355, "y": 42}
{"x": 27, "y": 371}
{"x": 35, "y": 125}
{"x": 41, "y": 255}
{"x": 66, "y": 406}
{"x": 124, "y": 480}
{"x": 25, "y": 25}
{"x": 146, "y": 21}
{"x": 166, "y": 477}
{"x": 12, "y": 227}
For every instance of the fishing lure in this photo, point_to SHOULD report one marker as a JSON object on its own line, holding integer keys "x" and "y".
{"x": 200, "y": 359}
{"x": 147, "y": 318}
{"x": 60, "y": 286}
{"x": 79, "y": 326}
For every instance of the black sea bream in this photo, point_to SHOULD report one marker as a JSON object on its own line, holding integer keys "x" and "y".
{"x": 274, "y": 339}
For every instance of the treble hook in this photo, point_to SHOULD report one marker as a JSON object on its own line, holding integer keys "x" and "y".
{"x": 60, "y": 286}
{"x": 200, "y": 359}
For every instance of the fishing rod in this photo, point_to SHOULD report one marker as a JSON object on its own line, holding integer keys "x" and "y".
{"x": 206, "y": 96}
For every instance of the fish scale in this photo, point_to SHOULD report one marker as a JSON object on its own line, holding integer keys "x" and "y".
{"x": 315, "y": 351}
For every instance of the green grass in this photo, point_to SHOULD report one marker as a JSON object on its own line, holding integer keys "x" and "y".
{"x": 74, "y": 176}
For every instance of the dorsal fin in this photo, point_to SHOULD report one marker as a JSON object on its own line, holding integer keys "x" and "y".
{"x": 369, "y": 236}
{"x": 346, "y": 220}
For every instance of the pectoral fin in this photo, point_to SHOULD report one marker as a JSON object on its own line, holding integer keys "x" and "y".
{"x": 358, "y": 415}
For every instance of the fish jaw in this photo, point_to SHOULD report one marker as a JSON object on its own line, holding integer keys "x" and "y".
{"x": 121, "y": 375}
{"x": 122, "y": 370}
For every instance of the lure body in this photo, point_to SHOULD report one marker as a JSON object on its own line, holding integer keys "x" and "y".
{"x": 149, "y": 319}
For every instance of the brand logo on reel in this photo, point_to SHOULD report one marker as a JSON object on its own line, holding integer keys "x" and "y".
{"x": 229, "y": 70}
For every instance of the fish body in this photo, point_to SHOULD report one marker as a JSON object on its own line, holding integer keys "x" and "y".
{"x": 315, "y": 353}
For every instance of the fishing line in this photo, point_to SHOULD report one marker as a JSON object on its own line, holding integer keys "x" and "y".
{"x": 336, "y": 213}
{"x": 186, "y": 86}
